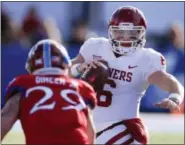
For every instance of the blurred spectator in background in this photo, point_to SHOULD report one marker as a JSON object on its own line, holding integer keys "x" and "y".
{"x": 173, "y": 50}
{"x": 32, "y": 27}
{"x": 8, "y": 28}
{"x": 176, "y": 34}
{"x": 52, "y": 30}
{"x": 80, "y": 32}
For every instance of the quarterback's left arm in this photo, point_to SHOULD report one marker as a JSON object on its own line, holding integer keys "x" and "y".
{"x": 168, "y": 83}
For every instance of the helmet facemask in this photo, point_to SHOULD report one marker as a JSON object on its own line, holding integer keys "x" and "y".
{"x": 126, "y": 38}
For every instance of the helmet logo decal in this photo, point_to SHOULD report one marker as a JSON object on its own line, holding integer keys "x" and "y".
{"x": 38, "y": 61}
{"x": 55, "y": 58}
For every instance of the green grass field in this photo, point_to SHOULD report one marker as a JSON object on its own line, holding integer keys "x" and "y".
{"x": 166, "y": 138}
{"x": 155, "y": 138}
{"x": 163, "y": 129}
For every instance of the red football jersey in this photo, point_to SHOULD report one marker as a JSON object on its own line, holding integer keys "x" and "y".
{"x": 53, "y": 108}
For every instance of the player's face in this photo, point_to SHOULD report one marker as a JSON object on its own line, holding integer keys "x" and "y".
{"x": 127, "y": 36}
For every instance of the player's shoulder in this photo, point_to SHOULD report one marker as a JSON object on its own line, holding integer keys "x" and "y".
{"x": 76, "y": 83}
{"x": 17, "y": 85}
{"x": 19, "y": 79}
{"x": 97, "y": 41}
{"x": 94, "y": 46}
{"x": 85, "y": 85}
{"x": 151, "y": 53}
{"x": 88, "y": 93}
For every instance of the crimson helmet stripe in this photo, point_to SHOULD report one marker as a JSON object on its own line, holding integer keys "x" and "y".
{"x": 47, "y": 55}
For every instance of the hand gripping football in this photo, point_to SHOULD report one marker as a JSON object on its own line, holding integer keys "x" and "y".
{"x": 96, "y": 77}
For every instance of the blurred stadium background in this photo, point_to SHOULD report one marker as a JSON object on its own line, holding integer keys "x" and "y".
{"x": 71, "y": 23}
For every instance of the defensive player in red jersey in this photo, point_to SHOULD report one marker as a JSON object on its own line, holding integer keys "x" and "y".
{"x": 52, "y": 107}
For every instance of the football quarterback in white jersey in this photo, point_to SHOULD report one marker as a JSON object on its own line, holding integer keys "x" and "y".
{"x": 132, "y": 68}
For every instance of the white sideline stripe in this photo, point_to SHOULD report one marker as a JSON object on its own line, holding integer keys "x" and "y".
{"x": 123, "y": 139}
{"x": 107, "y": 135}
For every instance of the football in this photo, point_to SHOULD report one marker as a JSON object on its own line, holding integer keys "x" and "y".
{"x": 96, "y": 77}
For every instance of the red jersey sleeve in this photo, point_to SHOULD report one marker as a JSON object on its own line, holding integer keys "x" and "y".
{"x": 15, "y": 86}
{"x": 88, "y": 94}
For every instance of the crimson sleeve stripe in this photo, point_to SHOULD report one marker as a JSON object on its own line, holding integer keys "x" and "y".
{"x": 129, "y": 141}
{"x": 117, "y": 137}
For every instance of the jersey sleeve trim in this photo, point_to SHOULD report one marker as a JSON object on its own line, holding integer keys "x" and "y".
{"x": 89, "y": 103}
{"x": 14, "y": 90}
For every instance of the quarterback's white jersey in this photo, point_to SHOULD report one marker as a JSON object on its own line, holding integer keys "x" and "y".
{"x": 127, "y": 83}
